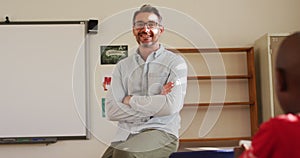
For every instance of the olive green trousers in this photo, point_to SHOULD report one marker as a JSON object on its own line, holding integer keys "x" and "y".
{"x": 147, "y": 144}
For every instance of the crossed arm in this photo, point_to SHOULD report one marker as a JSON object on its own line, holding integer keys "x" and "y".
{"x": 121, "y": 106}
{"x": 165, "y": 90}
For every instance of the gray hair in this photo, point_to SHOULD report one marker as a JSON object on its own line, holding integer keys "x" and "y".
{"x": 148, "y": 9}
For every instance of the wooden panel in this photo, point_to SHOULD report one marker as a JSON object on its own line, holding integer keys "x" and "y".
{"x": 232, "y": 121}
{"x": 206, "y": 91}
{"x": 216, "y": 64}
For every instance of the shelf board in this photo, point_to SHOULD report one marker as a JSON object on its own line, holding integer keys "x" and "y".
{"x": 219, "y": 77}
{"x": 212, "y": 139}
{"x": 211, "y": 50}
{"x": 220, "y": 104}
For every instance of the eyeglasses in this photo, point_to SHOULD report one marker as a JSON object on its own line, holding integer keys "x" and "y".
{"x": 141, "y": 24}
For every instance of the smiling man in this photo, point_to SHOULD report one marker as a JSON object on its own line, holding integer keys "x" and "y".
{"x": 147, "y": 93}
{"x": 147, "y": 33}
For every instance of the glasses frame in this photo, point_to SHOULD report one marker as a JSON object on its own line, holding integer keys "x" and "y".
{"x": 143, "y": 24}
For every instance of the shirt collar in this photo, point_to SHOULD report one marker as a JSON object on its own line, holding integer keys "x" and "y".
{"x": 159, "y": 51}
{"x": 154, "y": 54}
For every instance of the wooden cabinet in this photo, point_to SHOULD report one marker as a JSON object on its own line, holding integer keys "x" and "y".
{"x": 220, "y": 103}
{"x": 265, "y": 49}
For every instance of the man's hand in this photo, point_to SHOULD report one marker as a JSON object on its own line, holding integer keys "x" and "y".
{"x": 167, "y": 88}
{"x": 126, "y": 100}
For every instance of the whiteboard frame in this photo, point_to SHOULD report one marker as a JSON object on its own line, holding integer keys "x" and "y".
{"x": 86, "y": 86}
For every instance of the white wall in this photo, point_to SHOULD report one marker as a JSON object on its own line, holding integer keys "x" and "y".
{"x": 230, "y": 23}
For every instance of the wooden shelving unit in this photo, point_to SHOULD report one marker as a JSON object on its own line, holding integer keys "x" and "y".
{"x": 248, "y": 77}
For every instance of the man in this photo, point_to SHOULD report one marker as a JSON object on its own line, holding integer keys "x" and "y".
{"x": 147, "y": 94}
{"x": 279, "y": 137}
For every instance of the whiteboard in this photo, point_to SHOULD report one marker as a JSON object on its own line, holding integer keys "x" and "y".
{"x": 43, "y": 80}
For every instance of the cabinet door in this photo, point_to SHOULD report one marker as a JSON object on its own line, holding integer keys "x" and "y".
{"x": 275, "y": 42}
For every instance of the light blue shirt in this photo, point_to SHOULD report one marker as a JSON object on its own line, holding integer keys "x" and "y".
{"x": 144, "y": 81}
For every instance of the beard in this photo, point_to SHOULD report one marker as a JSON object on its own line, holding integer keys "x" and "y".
{"x": 147, "y": 45}
{"x": 146, "y": 39}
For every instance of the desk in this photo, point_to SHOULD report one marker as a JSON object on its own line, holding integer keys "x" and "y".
{"x": 203, "y": 154}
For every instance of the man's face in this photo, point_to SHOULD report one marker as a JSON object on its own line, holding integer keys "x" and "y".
{"x": 146, "y": 29}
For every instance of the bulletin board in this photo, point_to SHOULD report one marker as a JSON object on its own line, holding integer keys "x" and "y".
{"x": 44, "y": 81}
